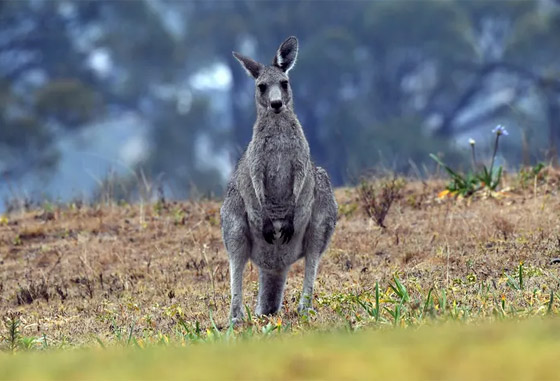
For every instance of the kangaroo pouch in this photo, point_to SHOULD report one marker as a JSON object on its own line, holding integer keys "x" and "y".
{"x": 277, "y": 256}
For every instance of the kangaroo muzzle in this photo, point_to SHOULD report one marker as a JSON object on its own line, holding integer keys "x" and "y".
{"x": 275, "y": 97}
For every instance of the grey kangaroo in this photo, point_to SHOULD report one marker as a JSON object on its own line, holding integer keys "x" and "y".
{"x": 279, "y": 207}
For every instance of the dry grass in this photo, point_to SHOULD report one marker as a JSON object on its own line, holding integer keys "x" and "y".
{"x": 75, "y": 274}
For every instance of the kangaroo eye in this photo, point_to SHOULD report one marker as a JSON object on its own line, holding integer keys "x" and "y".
{"x": 262, "y": 87}
{"x": 284, "y": 85}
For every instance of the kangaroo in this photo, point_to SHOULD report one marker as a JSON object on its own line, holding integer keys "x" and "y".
{"x": 279, "y": 207}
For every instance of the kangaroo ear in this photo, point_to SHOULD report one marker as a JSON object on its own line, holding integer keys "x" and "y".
{"x": 286, "y": 55}
{"x": 252, "y": 67}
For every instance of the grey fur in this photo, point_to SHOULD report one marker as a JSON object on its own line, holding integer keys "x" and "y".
{"x": 279, "y": 207}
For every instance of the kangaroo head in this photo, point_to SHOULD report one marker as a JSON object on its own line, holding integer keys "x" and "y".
{"x": 273, "y": 92}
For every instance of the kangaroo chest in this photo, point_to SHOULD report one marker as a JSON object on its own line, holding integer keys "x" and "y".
{"x": 280, "y": 152}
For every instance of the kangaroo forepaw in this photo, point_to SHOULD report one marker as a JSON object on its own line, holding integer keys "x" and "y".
{"x": 268, "y": 231}
{"x": 287, "y": 231}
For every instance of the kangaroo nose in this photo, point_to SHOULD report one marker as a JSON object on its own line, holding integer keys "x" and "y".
{"x": 276, "y": 105}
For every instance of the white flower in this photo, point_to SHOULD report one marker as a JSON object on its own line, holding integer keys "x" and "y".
{"x": 471, "y": 141}
{"x": 500, "y": 130}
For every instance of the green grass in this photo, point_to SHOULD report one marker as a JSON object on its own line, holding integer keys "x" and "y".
{"x": 501, "y": 350}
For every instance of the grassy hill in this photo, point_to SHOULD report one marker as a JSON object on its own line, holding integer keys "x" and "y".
{"x": 149, "y": 274}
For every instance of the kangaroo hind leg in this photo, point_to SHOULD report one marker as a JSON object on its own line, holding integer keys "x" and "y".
{"x": 318, "y": 235}
{"x": 271, "y": 291}
{"x": 235, "y": 230}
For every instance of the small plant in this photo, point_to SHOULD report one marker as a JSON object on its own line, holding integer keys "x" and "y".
{"x": 373, "y": 312}
{"x": 481, "y": 177}
{"x": 377, "y": 198}
{"x": 403, "y": 297}
{"x": 429, "y": 305}
{"x": 517, "y": 284}
{"x": 529, "y": 175}
{"x": 399, "y": 289}
{"x": 550, "y": 303}
{"x": 12, "y": 337}
{"x": 27, "y": 343}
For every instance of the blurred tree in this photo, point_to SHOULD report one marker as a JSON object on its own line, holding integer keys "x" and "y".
{"x": 435, "y": 67}
{"x": 378, "y": 82}
{"x": 45, "y": 89}
{"x": 154, "y": 61}
{"x": 532, "y": 56}
{"x": 68, "y": 64}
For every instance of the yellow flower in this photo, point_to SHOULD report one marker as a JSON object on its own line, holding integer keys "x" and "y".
{"x": 443, "y": 193}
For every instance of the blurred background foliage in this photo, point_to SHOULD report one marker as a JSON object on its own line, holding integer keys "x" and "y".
{"x": 98, "y": 89}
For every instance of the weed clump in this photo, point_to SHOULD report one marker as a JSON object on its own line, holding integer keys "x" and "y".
{"x": 13, "y": 340}
{"x": 377, "y": 198}
{"x": 33, "y": 291}
{"x": 481, "y": 176}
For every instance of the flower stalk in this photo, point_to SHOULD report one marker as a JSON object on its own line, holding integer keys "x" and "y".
{"x": 473, "y": 154}
{"x": 499, "y": 131}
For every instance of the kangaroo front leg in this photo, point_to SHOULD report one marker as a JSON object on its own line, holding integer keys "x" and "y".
{"x": 311, "y": 265}
{"x": 237, "y": 266}
{"x": 257, "y": 179}
{"x": 300, "y": 169}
